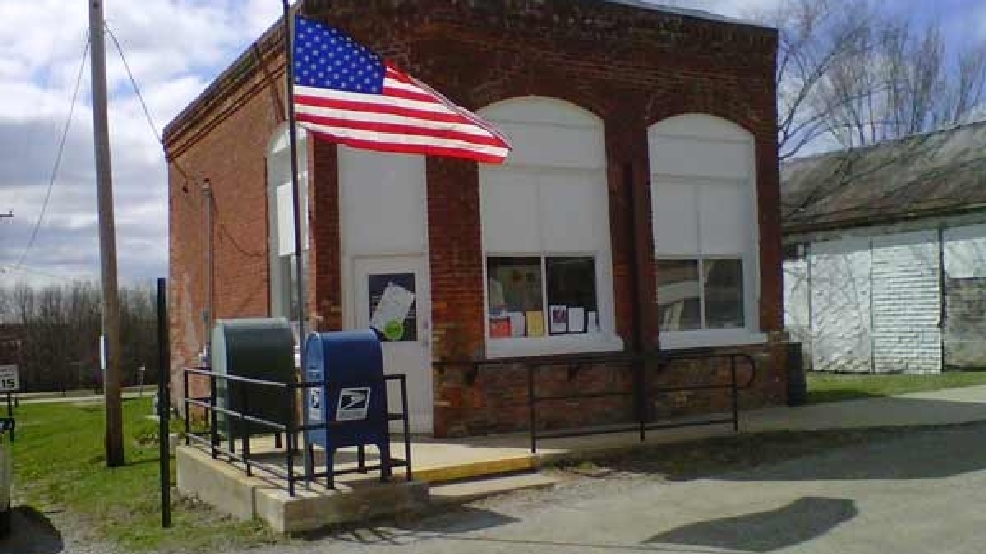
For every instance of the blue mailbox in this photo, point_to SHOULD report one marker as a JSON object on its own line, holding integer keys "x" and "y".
{"x": 353, "y": 394}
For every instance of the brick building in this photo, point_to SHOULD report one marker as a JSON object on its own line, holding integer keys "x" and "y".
{"x": 644, "y": 174}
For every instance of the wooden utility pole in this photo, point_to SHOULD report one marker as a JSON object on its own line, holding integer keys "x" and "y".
{"x": 107, "y": 239}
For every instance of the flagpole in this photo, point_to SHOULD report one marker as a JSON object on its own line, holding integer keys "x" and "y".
{"x": 296, "y": 207}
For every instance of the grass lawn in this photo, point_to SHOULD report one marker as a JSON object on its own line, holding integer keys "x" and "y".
{"x": 59, "y": 464}
{"x": 824, "y": 387}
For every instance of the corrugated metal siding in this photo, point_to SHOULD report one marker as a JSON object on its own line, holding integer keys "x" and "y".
{"x": 840, "y": 305}
{"x": 906, "y": 303}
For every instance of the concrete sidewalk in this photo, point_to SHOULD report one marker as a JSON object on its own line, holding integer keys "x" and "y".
{"x": 444, "y": 460}
{"x": 455, "y": 471}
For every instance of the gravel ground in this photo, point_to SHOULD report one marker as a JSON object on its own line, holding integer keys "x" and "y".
{"x": 33, "y": 532}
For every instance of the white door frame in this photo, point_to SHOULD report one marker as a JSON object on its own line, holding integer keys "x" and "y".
{"x": 420, "y": 381}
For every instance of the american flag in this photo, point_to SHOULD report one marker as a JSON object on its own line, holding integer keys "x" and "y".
{"x": 347, "y": 94}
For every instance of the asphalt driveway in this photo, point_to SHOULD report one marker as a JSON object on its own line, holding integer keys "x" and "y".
{"x": 923, "y": 492}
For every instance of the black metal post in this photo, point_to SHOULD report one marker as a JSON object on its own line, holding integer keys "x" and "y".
{"x": 188, "y": 413}
{"x": 213, "y": 417}
{"x": 245, "y": 436}
{"x": 640, "y": 369}
{"x": 735, "y": 392}
{"x": 289, "y": 430}
{"x": 10, "y": 412}
{"x": 164, "y": 401}
{"x": 361, "y": 458}
{"x": 532, "y": 401}
{"x": 330, "y": 455}
{"x": 407, "y": 426}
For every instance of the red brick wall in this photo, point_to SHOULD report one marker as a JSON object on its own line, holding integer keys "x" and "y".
{"x": 630, "y": 67}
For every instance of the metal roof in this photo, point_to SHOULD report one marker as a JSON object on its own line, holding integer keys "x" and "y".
{"x": 938, "y": 173}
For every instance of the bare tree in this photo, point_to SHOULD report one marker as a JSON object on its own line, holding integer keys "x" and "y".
{"x": 814, "y": 37}
{"x": 851, "y": 72}
{"x": 60, "y": 328}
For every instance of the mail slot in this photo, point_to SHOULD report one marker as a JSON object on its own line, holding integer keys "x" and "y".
{"x": 351, "y": 396}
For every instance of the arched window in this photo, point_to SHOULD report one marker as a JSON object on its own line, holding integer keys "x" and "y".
{"x": 546, "y": 233}
{"x": 283, "y": 277}
{"x": 703, "y": 195}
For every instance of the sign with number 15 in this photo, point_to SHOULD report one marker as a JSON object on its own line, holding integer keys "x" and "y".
{"x": 9, "y": 378}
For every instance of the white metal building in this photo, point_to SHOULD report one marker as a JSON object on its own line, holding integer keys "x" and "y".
{"x": 885, "y": 265}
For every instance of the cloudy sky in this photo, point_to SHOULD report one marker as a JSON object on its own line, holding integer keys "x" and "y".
{"x": 175, "y": 48}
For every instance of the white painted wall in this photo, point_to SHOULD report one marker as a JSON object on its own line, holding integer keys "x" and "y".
{"x": 874, "y": 303}
{"x": 906, "y": 303}
{"x": 840, "y": 304}
{"x": 907, "y": 295}
{"x": 382, "y": 211}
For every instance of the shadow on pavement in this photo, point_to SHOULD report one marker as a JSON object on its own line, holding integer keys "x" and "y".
{"x": 798, "y": 522}
{"x": 458, "y": 521}
{"x": 31, "y": 533}
{"x": 916, "y": 454}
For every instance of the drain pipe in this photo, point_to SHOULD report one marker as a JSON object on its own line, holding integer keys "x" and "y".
{"x": 207, "y": 313}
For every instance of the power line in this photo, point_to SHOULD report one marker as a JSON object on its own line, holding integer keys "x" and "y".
{"x": 58, "y": 158}
{"x": 223, "y": 229}
{"x": 133, "y": 81}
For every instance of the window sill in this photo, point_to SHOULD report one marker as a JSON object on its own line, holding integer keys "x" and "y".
{"x": 673, "y": 340}
{"x": 556, "y": 345}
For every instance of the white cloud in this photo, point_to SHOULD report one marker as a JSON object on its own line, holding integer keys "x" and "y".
{"x": 174, "y": 48}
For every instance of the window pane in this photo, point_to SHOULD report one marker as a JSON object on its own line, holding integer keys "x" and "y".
{"x": 515, "y": 297}
{"x": 723, "y": 294}
{"x": 678, "y": 298}
{"x": 572, "y": 295}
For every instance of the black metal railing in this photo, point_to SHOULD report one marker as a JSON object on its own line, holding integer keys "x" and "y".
{"x": 641, "y": 392}
{"x": 286, "y": 426}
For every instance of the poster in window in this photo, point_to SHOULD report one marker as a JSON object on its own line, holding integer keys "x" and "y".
{"x": 500, "y": 327}
{"x": 535, "y": 324}
{"x": 558, "y": 320}
{"x": 392, "y": 307}
{"x": 518, "y": 324}
{"x": 576, "y": 319}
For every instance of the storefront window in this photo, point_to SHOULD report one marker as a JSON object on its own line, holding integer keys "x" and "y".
{"x": 688, "y": 303}
{"x": 539, "y": 296}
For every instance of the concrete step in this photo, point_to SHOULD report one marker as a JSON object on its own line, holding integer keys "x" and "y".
{"x": 469, "y": 491}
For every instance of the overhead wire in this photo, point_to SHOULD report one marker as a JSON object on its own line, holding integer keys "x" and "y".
{"x": 58, "y": 159}
{"x": 223, "y": 229}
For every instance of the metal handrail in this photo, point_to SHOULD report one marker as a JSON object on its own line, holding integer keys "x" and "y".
{"x": 289, "y": 427}
{"x": 639, "y": 363}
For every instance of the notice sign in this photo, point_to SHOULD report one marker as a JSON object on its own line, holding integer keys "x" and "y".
{"x": 314, "y": 405}
{"x": 392, "y": 311}
{"x": 354, "y": 403}
{"x": 9, "y": 378}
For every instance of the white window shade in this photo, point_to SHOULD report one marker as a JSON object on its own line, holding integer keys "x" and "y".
{"x": 674, "y": 209}
{"x": 564, "y": 147}
{"x": 285, "y": 221}
{"x": 724, "y": 219}
{"x": 510, "y": 211}
{"x": 569, "y": 212}
{"x": 700, "y": 157}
